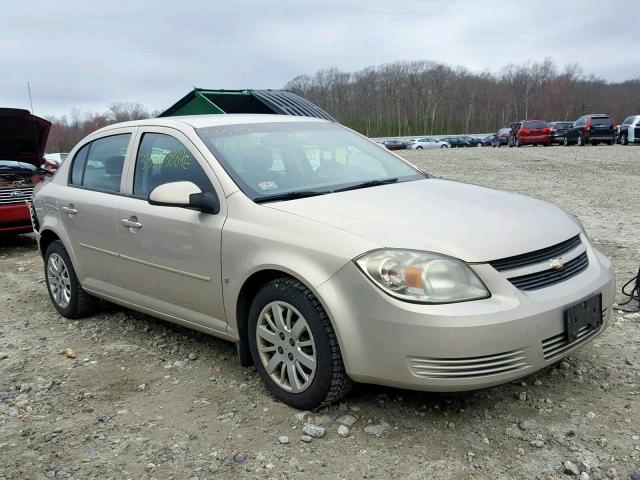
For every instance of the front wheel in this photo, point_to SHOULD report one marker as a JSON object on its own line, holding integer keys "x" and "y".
{"x": 581, "y": 142}
{"x": 294, "y": 346}
{"x": 444, "y": 146}
{"x": 479, "y": 144}
{"x": 418, "y": 148}
{"x": 67, "y": 295}
{"x": 624, "y": 140}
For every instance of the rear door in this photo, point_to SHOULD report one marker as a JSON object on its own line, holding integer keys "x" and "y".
{"x": 87, "y": 207}
{"x": 170, "y": 256}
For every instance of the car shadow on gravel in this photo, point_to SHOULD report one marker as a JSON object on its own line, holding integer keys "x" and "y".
{"x": 15, "y": 242}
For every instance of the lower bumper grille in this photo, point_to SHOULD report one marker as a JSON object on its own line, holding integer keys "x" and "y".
{"x": 471, "y": 367}
{"x": 557, "y": 345}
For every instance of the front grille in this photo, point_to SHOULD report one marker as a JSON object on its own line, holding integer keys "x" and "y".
{"x": 10, "y": 196}
{"x": 471, "y": 367}
{"x": 537, "y": 256}
{"x": 546, "y": 278}
{"x": 557, "y": 345}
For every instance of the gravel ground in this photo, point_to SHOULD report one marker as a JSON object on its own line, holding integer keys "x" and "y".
{"x": 146, "y": 399}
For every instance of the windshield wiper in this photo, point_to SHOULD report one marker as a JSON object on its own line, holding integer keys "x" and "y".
{"x": 370, "y": 183}
{"x": 288, "y": 196}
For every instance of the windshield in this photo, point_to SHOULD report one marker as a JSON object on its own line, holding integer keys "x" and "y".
{"x": 273, "y": 159}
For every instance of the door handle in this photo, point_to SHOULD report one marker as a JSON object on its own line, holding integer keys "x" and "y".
{"x": 69, "y": 210}
{"x": 130, "y": 223}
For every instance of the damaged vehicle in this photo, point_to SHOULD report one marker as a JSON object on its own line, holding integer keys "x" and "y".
{"x": 326, "y": 258}
{"x": 22, "y": 141}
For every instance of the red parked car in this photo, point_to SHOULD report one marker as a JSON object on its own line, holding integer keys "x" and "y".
{"x": 530, "y": 132}
{"x": 22, "y": 140}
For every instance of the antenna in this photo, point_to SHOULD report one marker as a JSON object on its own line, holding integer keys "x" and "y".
{"x": 30, "y": 99}
{"x": 35, "y": 130}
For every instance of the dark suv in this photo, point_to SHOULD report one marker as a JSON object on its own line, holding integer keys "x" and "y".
{"x": 593, "y": 129}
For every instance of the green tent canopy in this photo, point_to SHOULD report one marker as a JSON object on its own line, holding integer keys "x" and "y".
{"x": 202, "y": 101}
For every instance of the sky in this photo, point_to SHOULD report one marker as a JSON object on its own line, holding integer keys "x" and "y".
{"x": 85, "y": 55}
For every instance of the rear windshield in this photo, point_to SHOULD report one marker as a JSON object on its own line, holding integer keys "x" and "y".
{"x": 562, "y": 124}
{"x": 601, "y": 121}
{"x": 534, "y": 124}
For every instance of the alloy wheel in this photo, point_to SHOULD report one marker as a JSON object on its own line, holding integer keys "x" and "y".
{"x": 286, "y": 346}
{"x": 58, "y": 280}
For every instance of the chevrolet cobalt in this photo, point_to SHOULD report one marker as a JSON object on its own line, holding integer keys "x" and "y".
{"x": 325, "y": 257}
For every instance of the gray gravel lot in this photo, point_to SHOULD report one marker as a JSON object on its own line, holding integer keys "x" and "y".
{"x": 144, "y": 399}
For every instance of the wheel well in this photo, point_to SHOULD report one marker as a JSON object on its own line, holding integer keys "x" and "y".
{"x": 248, "y": 291}
{"x": 47, "y": 237}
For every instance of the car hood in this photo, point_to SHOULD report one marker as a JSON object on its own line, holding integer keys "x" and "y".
{"x": 473, "y": 223}
{"x": 22, "y": 136}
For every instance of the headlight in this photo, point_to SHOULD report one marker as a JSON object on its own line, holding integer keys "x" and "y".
{"x": 422, "y": 277}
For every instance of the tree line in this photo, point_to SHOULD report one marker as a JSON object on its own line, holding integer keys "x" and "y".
{"x": 424, "y": 97}
{"x": 67, "y": 131}
{"x": 420, "y": 98}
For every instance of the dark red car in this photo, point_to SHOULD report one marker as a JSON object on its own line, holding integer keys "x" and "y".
{"x": 395, "y": 144}
{"x": 22, "y": 140}
{"x": 530, "y": 132}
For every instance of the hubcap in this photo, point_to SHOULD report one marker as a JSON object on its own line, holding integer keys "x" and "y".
{"x": 286, "y": 346}
{"x": 58, "y": 279}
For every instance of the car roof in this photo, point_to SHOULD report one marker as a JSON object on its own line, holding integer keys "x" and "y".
{"x": 212, "y": 120}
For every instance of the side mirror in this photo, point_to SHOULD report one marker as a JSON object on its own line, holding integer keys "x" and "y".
{"x": 185, "y": 195}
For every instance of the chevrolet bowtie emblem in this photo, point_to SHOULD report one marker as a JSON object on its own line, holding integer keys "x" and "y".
{"x": 556, "y": 263}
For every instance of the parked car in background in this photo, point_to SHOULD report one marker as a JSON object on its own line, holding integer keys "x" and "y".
{"x": 22, "y": 140}
{"x": 530, "y": 132}
{"x": 489, "y": 140}
{"x": 558, "y": 131}
{"x": 426, "y": 143}
{"x": 394, "y": 144}
{"x": 459, "y": 142}
{"x": 502, "y": 137}
{"x": 53, "y": 160}
{"x": 629, "y": 130}
{"x": 308, "y": 245}
{"x": 593, "y": 129}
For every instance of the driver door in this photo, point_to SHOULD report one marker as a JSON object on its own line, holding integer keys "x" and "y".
{"x": 170, "y": 256}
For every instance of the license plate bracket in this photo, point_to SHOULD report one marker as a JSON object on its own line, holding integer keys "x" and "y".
{"x": 587, "y": 313}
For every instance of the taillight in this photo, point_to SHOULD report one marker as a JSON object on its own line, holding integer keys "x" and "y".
{"x": 524, "y": 131}
{"x": 547, "y": 130}
{"x": 587, "y": 127}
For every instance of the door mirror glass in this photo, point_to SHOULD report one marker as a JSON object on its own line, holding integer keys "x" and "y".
{"x": 185, "y": 195}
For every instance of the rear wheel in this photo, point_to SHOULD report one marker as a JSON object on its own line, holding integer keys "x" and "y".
{"x": 581, "y": 141}
{"x": 479, "y": 144}
{"x": 566, "y": 142}
{"x": 294, "y": 346}
{"x": 624, "y": 140}
{"x": 418, "y": 148}
{"x": 67, "y": 295}
{"x": 444, "y": 146}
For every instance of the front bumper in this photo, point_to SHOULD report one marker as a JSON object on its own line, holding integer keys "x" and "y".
{"x": 15, "y": 218}
{"x": 459, "y": 346}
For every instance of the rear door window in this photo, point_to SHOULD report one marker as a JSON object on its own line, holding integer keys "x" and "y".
{"x": 98, "y": 165}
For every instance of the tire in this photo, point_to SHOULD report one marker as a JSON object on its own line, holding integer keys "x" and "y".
{"x": 418, "y": 148}
{"x": 444, "y": 146}
{"x": 566, "y": 142}
{"x": 624, "y": 140}
{"x": 479, "y": 144}
{"x": 580, "y": 141}
{"x": 328, "y": 382}
{"x": 66, "y": 293}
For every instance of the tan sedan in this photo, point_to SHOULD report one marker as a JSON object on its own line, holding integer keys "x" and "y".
{"x": 325, "y": 257}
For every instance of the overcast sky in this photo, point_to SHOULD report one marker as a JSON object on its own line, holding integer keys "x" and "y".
{"x": 88, "y": 54}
